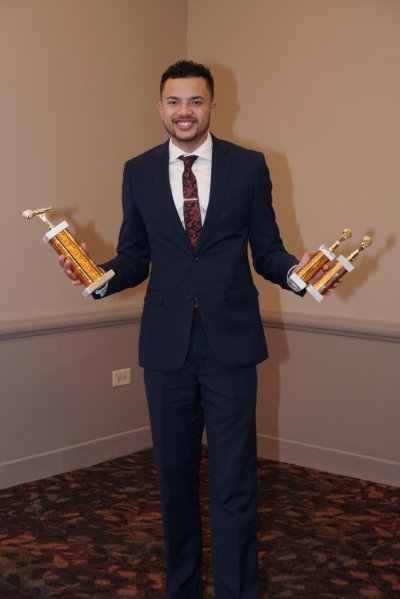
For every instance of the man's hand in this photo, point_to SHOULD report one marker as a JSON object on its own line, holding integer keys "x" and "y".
{"x": 66, "y": 266}
{"x": 306, "y": 257}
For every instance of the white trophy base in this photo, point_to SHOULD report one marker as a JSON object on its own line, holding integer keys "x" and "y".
{"x": 314, "y": 293}
{"x": 345, "y": 263}
{"x": 98, "y": 284}
{"x": 55, "y": 231}
{"x": 297, "y": 281}
{"x": 330, "y": 255}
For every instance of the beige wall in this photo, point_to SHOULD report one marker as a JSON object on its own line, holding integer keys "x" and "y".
{"x": 79, "y": 86}
{"x": 314, "y": 85}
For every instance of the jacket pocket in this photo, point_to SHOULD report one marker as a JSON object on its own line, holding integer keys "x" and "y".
{"x": 242, "y": 294}
{"x": 153, "y": 297}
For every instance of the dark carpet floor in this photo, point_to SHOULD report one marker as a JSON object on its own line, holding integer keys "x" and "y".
{"x": 96, "y": 533}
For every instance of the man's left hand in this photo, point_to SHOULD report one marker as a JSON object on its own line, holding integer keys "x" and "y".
{"x": 306, "y": 257}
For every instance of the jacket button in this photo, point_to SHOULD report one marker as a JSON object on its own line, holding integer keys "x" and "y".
{"x": 189, "y": 297}
{"x": 195, "y": 259}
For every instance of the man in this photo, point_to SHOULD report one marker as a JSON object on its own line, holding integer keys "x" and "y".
{"x": 201, "y": 332}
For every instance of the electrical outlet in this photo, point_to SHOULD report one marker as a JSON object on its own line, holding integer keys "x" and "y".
{"x": 121, "y": 377}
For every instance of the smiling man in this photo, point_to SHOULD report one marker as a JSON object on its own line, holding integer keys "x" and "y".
{"x": 191, "y": 207}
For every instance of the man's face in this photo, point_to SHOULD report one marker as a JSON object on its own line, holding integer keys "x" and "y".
{"x": 186, "y": 108}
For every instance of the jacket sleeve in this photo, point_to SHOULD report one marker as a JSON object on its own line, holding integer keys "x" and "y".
{"x": 131, "y": 264}
{"x": 270, "y": 258}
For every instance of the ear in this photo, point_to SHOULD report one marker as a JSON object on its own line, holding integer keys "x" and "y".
{"x": 213, "y": 108}
{"x": 160, "y": 109}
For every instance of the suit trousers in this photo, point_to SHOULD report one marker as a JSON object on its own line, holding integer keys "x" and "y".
{"x": 203, "y": 393}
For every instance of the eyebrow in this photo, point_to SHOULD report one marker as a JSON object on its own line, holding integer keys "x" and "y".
{"x": 180, "y": 98}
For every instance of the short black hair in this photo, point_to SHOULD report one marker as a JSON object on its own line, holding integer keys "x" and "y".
{"x": 187, "y": 68}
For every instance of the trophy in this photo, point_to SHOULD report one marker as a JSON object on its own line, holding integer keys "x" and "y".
{"x": 317, "y": 262}
{"x": 341, "y": 267}
{"x": 64, "y": 244}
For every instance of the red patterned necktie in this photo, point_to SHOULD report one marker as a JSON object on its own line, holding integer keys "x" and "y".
{"x": 191, "y": 206}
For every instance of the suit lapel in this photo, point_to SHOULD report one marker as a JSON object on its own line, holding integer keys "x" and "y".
{"x": 220, "y": 169}
{"x": 160, "y": 170}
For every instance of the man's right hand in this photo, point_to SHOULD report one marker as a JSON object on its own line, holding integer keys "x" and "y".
{"x": 66, "y": 266}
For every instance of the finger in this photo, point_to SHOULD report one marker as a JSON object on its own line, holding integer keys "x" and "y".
{"x": 68, "y": 270}
{"x": 306, "y": 258}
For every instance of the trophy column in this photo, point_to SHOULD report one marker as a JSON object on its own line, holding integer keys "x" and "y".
{"x": 64, "y": 244}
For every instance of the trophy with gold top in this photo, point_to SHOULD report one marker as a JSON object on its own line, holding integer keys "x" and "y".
{"x": 341, "y": 267}
{"x": 318, "y": 261}
{"x": 63, "y": 242}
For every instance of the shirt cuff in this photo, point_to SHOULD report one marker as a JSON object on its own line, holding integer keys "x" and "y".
{"x": 292, "y": 285}
{"x": 102, "y": 291}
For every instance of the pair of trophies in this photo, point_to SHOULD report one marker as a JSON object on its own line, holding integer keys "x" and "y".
{"x": 313, "y": 276}
{"x": 324, "y": 269}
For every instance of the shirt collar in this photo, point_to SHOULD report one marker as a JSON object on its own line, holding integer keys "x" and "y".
{"x": 203, "y": 151}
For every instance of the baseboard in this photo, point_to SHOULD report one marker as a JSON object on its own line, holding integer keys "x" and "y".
{"x": 329, "y": 460}
{"x": 87, "y": 454}
{"x": 66, "y": 459}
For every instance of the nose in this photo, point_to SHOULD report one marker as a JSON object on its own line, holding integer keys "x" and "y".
{"x": 185, "y": 108}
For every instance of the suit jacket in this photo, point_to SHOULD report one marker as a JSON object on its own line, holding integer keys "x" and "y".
{"x": 217, "y": 271}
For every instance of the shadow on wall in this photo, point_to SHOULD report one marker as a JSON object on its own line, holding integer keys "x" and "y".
{"x": 223, "y": 124}
{"x": 370, "y": 265}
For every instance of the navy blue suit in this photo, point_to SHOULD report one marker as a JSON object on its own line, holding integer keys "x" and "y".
{"x": 203, "y": 372}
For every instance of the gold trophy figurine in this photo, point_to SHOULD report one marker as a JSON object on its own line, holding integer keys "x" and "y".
{"x": 336, "y": 272}
{"x": 317, "y": 262}
{"x": 64, "y": 244}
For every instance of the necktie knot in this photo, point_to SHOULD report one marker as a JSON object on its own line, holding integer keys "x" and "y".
{"x": 188, "y": 160}
{"x": 188, "y": 177}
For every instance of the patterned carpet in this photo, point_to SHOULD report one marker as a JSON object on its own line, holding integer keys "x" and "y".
{"x": 96, "y": 533}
